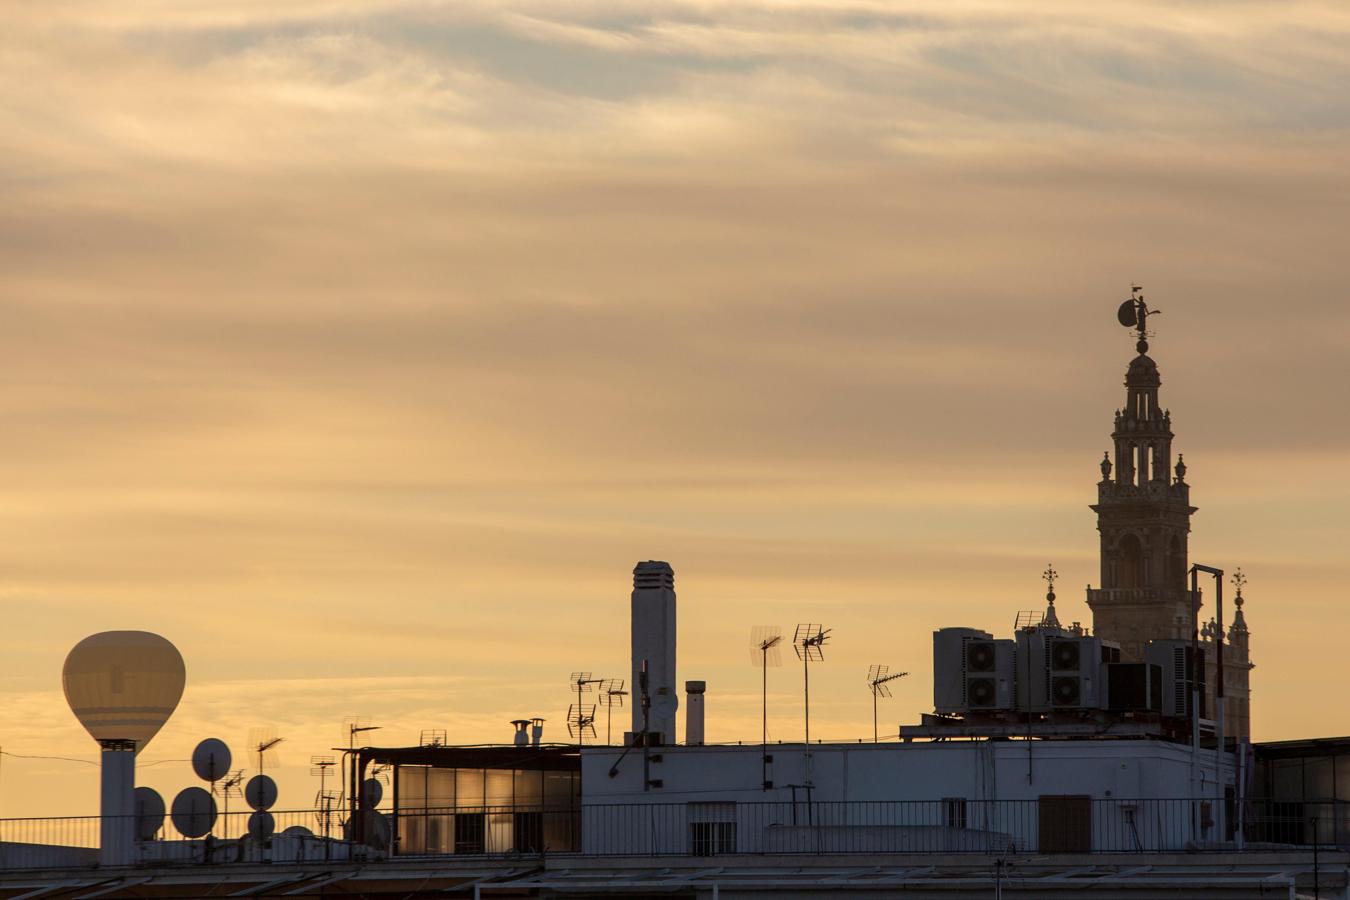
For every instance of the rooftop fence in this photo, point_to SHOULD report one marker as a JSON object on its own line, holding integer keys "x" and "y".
{"x": 1049, "y": 825}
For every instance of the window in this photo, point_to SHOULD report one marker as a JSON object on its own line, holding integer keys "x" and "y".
{"x": 954, "y": 812}
{"x": 712, "y": 829}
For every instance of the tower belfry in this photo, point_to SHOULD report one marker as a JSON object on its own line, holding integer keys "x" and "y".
{"x": 1143, "y": 513}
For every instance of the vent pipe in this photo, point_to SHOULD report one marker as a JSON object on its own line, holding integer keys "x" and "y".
{"x": 693, "y": 723}
{"x": 536, "y": 731}
{"x": 522, "y": 731}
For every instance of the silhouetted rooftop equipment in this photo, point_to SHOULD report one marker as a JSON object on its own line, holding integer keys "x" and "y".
{"x": 577, "y": 722}
{"x": 611, "y": 695}
{"x": 809, "y": 642}
{"x": 877, "y": 677}
{"x": 765, "y": 651}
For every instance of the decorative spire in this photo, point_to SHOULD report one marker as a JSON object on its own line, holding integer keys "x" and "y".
{"x": 1239, "y": 620}
{"x": 1106, "y": 464}
{"x": 1049, "y": 575}
{"x": 1181, "y": 470}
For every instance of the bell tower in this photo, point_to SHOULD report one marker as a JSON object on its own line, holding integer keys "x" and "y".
{"x": 1143, "y": 514}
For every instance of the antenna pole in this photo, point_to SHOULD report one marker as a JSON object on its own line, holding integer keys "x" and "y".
{"x": 764, "y": 716}
{"x": 806, "y": 694}
{"x": 874, "y": 713}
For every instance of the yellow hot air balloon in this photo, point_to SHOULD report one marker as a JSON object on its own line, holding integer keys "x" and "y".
{"x": 123, "y": 685}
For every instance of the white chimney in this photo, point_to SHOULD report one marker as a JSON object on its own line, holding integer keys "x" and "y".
{"x": 522, "y": 731}
{"x": 536, "y": 731}
{"x": 654, "y": 641}
{"x": 693, "y": 723}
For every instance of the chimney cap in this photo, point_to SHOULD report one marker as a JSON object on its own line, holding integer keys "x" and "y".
{"x": 695, "y": 687}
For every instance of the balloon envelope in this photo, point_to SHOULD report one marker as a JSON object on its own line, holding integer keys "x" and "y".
{"x": 123, "y": 685}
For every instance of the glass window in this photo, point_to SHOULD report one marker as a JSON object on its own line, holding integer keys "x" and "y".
{"x": 558, "y": 790}
{"x": 440, "y": 788}
{"x": 499, "y": 787}
{"x": 529, "y": 788}
{"x": 468, "y": 789}
{"x": 1317, "y": 784}
{"x": 412, "y": 787}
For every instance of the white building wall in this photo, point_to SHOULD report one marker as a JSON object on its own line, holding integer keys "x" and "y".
{"x": 893, "y": 796}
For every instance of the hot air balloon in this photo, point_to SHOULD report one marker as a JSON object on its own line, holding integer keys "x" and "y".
{"x": 122, "y": 686}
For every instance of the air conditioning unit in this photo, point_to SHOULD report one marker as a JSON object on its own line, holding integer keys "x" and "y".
{"x": 1134, "y": 687}
{"x": 949, "y": 667}
{"x": 1171, "y": 658}
{"x": 989, "y": 674}
{"x": 1075, "y": 671}
{"x": 1058, "y": 670}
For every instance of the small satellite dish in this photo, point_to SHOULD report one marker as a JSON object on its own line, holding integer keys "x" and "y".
{"x": 378, "y": 831}
{"x": 149, "y": 813}
{"x": 372, "y": 792}
{"x": 665, "y": 705}
{"x": 261, "y": 825}
{"x": 1127, "y": 314}
{"x": 211, "y": 760}
{"x": 261, "y": 792}
{"x": 297, "y": 831}
{"x": 194, "y": 812}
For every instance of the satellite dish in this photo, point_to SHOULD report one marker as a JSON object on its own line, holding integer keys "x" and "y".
{"x": 194, "y": 812}
{"x": 377, "y": 830}
{"x": 211, "y": 760}
{"x": 123, "y": 685}
{"x": 372, "y": 792}
{"x": 261, "y": 792}
{"x": 261, "y": 825}
{"x": 297, "y": 831}
{"x": 149, "y": 813}
{"x": 1127, "y": 314}
{"x": 664, "y": 705}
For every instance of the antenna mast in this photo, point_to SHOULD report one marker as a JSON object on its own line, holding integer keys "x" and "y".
{"x": 809, "y": 642}
{"x": 611, "y": 695}
{"x": 578, "y": 720}
{"x": 876, "y": 680}
{"x": 764, "y": 652}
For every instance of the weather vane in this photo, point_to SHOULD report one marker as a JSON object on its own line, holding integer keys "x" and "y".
{"x": 1134, "y": 313}
{"x": 1050, "y": 575}
{"x": 1239, "y": 581}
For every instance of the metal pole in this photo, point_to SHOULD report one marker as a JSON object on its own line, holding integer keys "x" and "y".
{"x": 874, "y": 713}
{"x": 764, "y": 723}
{"x": 1195, "y": 697}
{"x": 1219, "y": 748}
{"x": 806, "y": 696}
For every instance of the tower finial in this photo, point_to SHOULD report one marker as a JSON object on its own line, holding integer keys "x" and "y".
{"x": 1049, "y": 576}
{"x": 1134, "y": 313}
{"x": 1238, "y": 580}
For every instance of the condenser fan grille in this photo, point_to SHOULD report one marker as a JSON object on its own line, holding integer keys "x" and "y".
{"x": 980, "y": 692}
{"x": 1065, "y": 691}
{"x": 980, "y": 656}
{"x": 1064, "y": 656}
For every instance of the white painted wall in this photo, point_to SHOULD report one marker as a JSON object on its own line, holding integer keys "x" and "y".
{"x": 890, "y": 796}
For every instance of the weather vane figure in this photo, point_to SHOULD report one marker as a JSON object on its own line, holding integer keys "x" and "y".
{"x": 1134, "y": 313}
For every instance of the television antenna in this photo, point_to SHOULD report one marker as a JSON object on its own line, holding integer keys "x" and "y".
{"x": 576, "y": 714}
{"x": 263, "y": 742}
{"x": 611, "y": 695}
{"x": 322, "y": 765}
{"x": 354, "y": 725}
{"x": 877, "y": 676}
{"x": 765, "y": 651}
{"x": 231, "y": 786}
{"x": 432, "y": 737}
{"x": 809, "y": 642}
{"x": 580, "y": 719}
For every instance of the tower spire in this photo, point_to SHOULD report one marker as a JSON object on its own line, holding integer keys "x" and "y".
{"x": 1049, "y": 575}
{"x": 1143, "y": 512}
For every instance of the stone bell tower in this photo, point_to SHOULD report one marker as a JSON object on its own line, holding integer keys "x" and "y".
{"x": 1143, "y": 515}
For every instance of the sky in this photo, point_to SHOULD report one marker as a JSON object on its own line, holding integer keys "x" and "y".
{"x": 361, "y": 349}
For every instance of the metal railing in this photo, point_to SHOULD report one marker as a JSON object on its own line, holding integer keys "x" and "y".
{"x": 1049, "y": 825}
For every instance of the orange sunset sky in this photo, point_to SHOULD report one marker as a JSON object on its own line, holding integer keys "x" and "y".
{"x": 361, "y": 349}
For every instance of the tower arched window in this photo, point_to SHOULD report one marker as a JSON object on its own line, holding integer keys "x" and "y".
{"x": 1176, "y": 563}
{"x": 1130, "y": 552}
